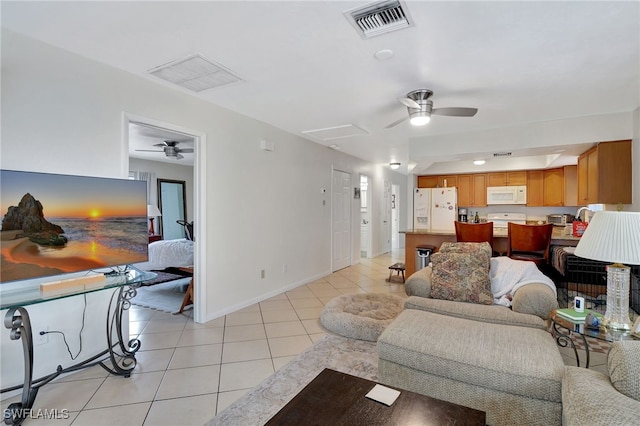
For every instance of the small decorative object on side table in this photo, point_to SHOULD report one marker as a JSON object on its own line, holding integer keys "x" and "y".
{"x": 154, "y": 238}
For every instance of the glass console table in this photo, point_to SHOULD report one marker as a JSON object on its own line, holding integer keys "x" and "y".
{"x": 120, "y": 352}
{"x": 563, "y": 328}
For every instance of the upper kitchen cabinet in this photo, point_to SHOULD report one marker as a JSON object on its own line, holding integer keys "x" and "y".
{"x": 507, "y": 178}
{"x": 535, "y": 188}
{"x": 437, "y": 181}
{"x": 570, "y": 185}
{"x": 553, "y": 194}
{"x": 472, "y": 190}
{"x": 604, "y": 174}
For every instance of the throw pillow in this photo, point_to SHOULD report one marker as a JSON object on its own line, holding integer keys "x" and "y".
{"x": 461, "y": 273}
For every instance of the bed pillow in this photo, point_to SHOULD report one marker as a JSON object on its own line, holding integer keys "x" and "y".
{"x": 460, "y": 272}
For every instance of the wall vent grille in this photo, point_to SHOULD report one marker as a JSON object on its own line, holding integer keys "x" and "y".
{"x": 195, "y": 73}
{"x": 502, "y": 154}
{"x": 379, "y": 18}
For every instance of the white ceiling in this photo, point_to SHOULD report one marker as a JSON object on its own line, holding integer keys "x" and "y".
{"x": 304, "y": 67}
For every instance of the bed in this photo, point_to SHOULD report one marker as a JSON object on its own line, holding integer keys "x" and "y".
{"x": 165, "y": 254}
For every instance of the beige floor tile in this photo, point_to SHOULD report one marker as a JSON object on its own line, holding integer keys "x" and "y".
{"x": 189, "y": 382}
{"x": 153, "y": 341}
{"x": 280, "y": 296}
{"x": 225, "y": 399}
{"x": 130, "y": 415}
{"x": 240, "y": 333}
{"x": 136, "y": 327}
{"x": 280, "y": 362}
{"x": 140, "y": 314}
{"x": 69, "y": 396}
{"x": 244, "y": 318}
{"x": 309, "y": 313}
{"x": 313, "y": 326}
{"x": 329, "y": 292}
{"x": 194, "y": 410}
{"x": 252, "y": 308}
{"x": 165, "y": 325}
{"x": 131, "y": 390}
{"x": 285, "y": 346}
{"x": 245, "y": 351}
{"x": 300, "y": 294}
{"x": 201, "y": 336}
{"x": 157, "y": 360}
{"x": 196, "y": 356}
{"x": 279, "y": 316}
{"x": 275, "y": 305}
{"x": 307, "y": 303}
{"x": 287, "y": 328}
{"x": 218, "y": 322}
{"x": 316, "y": 337}
{"x": 244, "y": 375}
{"x": 95, "y": 372}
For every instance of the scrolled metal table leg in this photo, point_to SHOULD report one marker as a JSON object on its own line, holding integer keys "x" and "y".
{"x": 122, "y": 355}
{"x": 563, "y": 339}
{"x": 17, "y": 320}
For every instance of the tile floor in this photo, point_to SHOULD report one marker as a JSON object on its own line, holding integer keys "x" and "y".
{"x": 188, "y": 372}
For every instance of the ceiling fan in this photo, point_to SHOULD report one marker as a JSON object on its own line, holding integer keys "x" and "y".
{"x": 420, "y": 108}
{"x": 170, "y": 149}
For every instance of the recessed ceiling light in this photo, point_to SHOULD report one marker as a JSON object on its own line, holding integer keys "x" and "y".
{"x": 383, "y": 54}
{"x": 479, "y": 162}
{"x": 334, "y": 146}
{"x": 394, "y": 166}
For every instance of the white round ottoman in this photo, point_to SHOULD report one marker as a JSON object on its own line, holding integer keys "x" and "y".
{"x": 361, "y": 316}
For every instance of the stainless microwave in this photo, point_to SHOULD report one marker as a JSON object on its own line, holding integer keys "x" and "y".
{"x": 506, "y": 195}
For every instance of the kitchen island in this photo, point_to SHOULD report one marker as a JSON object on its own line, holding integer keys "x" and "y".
{"x": 417, "y": 237}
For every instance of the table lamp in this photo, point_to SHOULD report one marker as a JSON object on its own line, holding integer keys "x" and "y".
{"x": 152, "y": 212}
{"x": 614, "y": 237}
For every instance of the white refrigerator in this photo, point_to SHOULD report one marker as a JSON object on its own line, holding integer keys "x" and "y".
{"x": 435, "y": 209}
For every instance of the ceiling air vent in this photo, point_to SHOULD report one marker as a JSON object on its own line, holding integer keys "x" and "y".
{"x": 502, "y": 154}
{"x": 379, "y": 18}
{"x": 195, "y": 73}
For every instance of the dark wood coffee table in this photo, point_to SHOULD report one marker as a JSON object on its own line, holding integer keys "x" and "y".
{"x": 335, "y": 398}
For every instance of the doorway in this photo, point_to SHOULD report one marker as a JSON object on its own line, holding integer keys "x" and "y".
{"x": 395, "y": 217}
{"x": 365, "y": 217}
{"x": 199, "y": 197}
{"x": 341, "y": 220}
{"x": 386, "y": 218}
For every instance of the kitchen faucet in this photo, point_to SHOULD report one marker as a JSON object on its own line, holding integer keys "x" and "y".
{"x": 580, "y": 211}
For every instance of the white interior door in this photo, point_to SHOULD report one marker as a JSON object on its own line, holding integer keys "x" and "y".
{"x": 395, "y": 217}
{"x": 365, "y": 217}
{"x": 341, "y": 220}
{"x": 386, "y": 217}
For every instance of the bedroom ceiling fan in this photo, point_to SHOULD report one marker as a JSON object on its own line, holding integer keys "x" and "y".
{"x": 420, "y": 108}
{"x": 170, "y": 149}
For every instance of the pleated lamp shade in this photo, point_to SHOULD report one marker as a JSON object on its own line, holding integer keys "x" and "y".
{"x": 612, "y": 237}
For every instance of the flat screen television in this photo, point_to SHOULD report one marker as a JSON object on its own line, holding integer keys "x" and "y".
{"x": 60, "y": 224}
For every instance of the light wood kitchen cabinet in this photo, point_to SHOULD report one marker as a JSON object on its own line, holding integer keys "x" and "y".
{"x": 553, "y": 187}
{"x": 427, "y": 181}
{"x": 507, "y": 178}
{"x": 535, "y": 188}
{"x": 604, "y": 174}
{"x": 472, "y": 190}
{"x": 447, "y": 181}
{"x": 570, "y": 185}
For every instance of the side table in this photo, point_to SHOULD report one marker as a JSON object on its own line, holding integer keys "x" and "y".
{"x": 562, "y": 329}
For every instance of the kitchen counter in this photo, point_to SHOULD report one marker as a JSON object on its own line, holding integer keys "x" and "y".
{"x": 417, "y": 237}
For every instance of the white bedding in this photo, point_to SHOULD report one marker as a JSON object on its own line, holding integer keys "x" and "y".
{"x": 168, "y": 253}
{"x": 508, "y": 275}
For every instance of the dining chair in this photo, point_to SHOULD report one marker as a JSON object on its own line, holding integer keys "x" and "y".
{"x": 474, "y": 232}
{"x": 529, "y": 242}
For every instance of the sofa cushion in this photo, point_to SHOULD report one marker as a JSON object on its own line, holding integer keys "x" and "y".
{"x": 517, "y": 360}
{"x": 495, "y": 314}
{"x": 623, "y": 363}
{"x": 460, "y": 272}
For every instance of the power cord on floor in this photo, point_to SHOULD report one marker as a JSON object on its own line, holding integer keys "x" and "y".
{"x": 64, "y": 338}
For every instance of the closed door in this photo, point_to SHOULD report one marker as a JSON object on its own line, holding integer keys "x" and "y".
{"x": 386, "y": 217}
{"x": 341, "y": 220}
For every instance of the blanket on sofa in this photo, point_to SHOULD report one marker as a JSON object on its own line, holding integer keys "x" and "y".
{"x": 508, "y": 275}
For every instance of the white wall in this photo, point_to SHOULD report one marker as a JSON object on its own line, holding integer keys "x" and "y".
{"x": 64, "y": 114}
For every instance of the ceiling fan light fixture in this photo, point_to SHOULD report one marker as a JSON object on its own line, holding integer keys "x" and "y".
{"x": 394, "y": 166}
{"x": 419, "y": 118}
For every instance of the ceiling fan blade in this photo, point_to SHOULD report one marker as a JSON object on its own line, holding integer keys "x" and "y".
{"x": 179, "y": 157}
{"x": 148, "y": 150}
{"x": 185, "y": 150}
{"x": 395, "y": 123}
{"x": 408, "y": 102}
{"x": 455, "y": 111}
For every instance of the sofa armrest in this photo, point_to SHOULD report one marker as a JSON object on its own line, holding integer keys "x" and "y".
{"x": 535, "y": 299}
{"x": 419, "y": 283}
{"x": 495, "y": 314}
{"x": 589, "y": 398}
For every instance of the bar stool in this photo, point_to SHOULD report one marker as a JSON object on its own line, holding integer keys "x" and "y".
{"x": 474, "y": 232}
{"x": 529, "y": 242}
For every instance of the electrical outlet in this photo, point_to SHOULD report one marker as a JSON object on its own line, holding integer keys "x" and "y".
{"x": 262, "y": 274}
{"x": 41, "y": 339}
{"x": 284, "y": 268}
